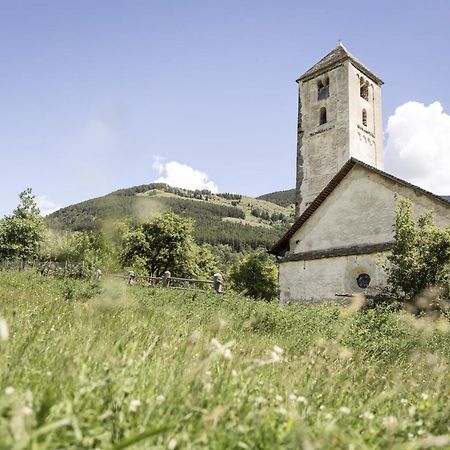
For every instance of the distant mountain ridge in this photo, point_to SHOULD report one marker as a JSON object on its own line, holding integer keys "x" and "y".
{"x": 281, "y": 198}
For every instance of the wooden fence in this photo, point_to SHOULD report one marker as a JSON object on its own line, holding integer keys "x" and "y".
{"x": 65, "y": 269}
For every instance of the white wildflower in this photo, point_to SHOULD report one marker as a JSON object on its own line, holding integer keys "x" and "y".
{"x": 26, "y": 411}
{"x": 278, "y": 398}
{"x": 234, "y": 373}
{"x": 224, "y": 349}
{"x": 328, "y": 416}
{"x": 390, "y": 422}
{"x": 9, "y": 390}
{"x": 134, "y": 405}
{"x": 160, "y": 398}
{"x": 207, "y": 387}
{"x": 282, "y": 411}
{"x": 172, "y": 445}
{"x": 403, "y": 401}
{"x": 424, "y": 396}
{"x": 412, "y": 411}
{"x": 301, "y": 399}
{"x": 4, "y": 331}
{"x": 278, "y": 350}
{"x": 368, "y": 415}
{"x": 260, "y": 400}
{"x": 293, "y": 397}
{"x": 345, "y": 410}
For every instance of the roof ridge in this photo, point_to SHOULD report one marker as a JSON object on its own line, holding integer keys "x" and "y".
{"x": 329, "y": 188}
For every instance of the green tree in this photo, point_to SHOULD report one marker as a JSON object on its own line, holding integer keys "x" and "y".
{"x": 256, "y": 275}
{"x": 166, "y": 243}
{"x": 22, "y": 232}
{"x": 420, "y": 258}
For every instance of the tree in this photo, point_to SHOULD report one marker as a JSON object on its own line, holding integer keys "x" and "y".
{"x": 256, "y": 275}
{"x": 22, "y": 232}
{"x": 166, "y": 243}
{"x": 420, "y": 258}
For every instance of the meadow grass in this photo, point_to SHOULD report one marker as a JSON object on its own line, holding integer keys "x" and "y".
{"x": 113, "y": 367}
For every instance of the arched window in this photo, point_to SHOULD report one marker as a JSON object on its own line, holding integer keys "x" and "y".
{"x": 323, "y": 116}
{"x": 323, "y": 89}
{"x": 364, "y": 117}
{"x": 364, "y": 89}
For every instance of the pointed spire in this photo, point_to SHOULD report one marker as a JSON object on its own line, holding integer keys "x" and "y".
{"x": 335, "y": 57}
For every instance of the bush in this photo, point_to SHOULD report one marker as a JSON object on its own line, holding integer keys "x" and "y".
{"x": 420, "y": 260}
{"x": 256, "y": 275}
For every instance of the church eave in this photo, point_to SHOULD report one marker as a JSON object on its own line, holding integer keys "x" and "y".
{"x": 282, "y": 246}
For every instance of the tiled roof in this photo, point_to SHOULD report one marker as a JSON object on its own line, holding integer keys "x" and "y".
{"x": 336, "y": 56}
{"x": 283, "y": 244}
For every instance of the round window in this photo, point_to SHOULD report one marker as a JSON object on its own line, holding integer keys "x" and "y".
{"x": 363, "y": 280}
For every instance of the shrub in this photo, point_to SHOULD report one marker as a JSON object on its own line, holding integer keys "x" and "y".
{"x": 420, "y": 258}
{"x": 256, "y": 275}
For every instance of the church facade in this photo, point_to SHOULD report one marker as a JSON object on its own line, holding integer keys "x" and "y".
{"x": 345, "y": 202}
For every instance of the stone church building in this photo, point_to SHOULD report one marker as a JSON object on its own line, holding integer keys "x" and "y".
{"x": 345, "y": 202}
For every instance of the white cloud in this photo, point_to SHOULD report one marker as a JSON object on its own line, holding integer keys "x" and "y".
{"x": 183, "y": 176}
{"x": 418, "y": 146}
{"x": 46, "y": 205}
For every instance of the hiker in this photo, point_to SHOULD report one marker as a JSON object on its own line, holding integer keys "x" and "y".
{"x": 166, "y": 278}
{"x": 131, "y": 277}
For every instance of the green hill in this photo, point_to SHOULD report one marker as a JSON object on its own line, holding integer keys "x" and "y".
{"x": 232, "y": 219}
{"x": 281, "y": 198}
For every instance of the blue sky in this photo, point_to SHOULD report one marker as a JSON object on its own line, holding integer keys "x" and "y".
{"x": 92, "y": 93}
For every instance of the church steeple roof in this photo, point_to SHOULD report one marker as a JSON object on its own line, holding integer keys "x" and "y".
{"x": 335, "y": 57}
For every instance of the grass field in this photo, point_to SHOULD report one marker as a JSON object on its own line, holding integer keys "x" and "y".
{"x": 152, "y": 368}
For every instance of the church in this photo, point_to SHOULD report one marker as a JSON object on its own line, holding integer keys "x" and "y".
{"x": 345, "y": 202}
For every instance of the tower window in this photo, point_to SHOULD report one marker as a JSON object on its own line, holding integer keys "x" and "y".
{"x": 364, "y": 117}
{"x": 323, "y": 89}
{"x": 323, "y": 116}
{"x": 364, "y": 89}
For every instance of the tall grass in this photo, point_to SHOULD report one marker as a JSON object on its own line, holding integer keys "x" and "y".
{"x": 153, "y": 368}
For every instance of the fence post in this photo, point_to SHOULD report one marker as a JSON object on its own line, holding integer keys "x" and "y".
{"x": 166, "y": 278}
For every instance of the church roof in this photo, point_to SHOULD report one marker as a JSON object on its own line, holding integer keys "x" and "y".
{"x": 335, "y": 57}
{"x": 283, "y": 244}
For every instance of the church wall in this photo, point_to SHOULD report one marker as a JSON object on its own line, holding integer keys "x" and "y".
{"x": 320, "y": 279}
{"x": 361, "y": 210}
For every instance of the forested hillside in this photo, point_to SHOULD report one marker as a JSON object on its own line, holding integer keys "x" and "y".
{"x": 281, "y": 198}
{"x": 238, "y": 221}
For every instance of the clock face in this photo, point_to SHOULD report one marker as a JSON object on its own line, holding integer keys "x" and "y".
{"x": 363, "y": 280}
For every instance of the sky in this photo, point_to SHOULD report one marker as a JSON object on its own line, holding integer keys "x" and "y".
{"x": 105, "y": 94}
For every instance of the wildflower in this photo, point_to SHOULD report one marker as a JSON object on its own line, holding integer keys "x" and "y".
{"x": 424, "y": 396}
{"x": 403, "y": 401}
{"x": 207, "y": 387}
{"x": 224, "y": 349}
{"x": 412, "y": 411}
{"x": 293, "y": 397}
{"x": 260, "y": 400}
{"x": 172, "y": 445}
{"x": 26, "y": 411}
{"x": 390, "y": 422}
{"x": 278, "y": 350}
{"x": 160, "y": 398}
{"x": 134, "y": 405}
{"x": 368, "y": 415}
{"x": 9, "y": 390}
{"x": 278, "y": 398}
{"x": 301, "y": 399}
{"x": 4, "y": 331}
{"x": 345, "y": 410}
{"x": 234, "y": 374}
{"x": 328, "y": 416}
{"x": 282, "y": 411}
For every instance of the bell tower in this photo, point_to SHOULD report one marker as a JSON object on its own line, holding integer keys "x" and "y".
{"x": 339, "y": 117}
